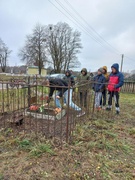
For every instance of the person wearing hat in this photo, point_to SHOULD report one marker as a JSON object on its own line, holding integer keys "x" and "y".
{"x": 104, "y": 93}
{"x": 98, "y": 86}
{"x": 116, "y": 80}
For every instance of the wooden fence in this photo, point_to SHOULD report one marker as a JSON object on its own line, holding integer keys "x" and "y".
{"x": 128, "y": 87}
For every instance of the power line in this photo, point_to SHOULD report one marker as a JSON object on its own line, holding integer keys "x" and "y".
{"x": 92, "y": 36}
{"x": 98, "y": 38}
{"x": 94, "y": 29}
{"x": 132, "y": 59}
{"x": 91, "y": 26}
{"x": 80, "y": 26}
{"x": 72, "y": 16}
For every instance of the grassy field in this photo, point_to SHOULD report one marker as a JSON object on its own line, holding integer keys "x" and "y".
{"x": 17, "y": 98}
{"x": 100, "y": 150}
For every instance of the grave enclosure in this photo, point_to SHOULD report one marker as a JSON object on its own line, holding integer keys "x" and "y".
{"x": 18, "y": 96}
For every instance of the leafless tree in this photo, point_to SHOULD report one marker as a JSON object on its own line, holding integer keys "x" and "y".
{"x": 63, "y": 45}
{"x": 33, "y": 53}
{"x": 4, "y": 54}
{"x": 57, "y": 45}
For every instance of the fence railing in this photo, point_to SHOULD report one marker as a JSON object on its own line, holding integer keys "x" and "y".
{"x": 128, "y": 87}
{"x": 22, "y": 108}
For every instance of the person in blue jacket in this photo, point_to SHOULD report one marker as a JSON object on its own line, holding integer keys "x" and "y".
{"x": 98, "y": 87}
{"x": 116, "y": 80}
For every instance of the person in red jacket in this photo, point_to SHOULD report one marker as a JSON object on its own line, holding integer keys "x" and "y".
{"x": 116, "y": 80}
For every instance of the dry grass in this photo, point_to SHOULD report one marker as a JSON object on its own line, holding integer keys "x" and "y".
{"x": 100, "y": 150}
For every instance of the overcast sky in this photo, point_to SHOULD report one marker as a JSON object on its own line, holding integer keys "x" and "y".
{"x": 107, "y": 27}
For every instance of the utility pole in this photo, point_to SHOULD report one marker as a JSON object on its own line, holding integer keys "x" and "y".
{"x": 122, "y": 62}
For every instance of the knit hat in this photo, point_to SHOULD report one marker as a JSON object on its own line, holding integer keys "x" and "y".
{"x": 100, "y": 70}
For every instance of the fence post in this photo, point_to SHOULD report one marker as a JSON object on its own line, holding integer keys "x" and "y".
{"x": 29, "y": 93}
{"x": 133, "y": 87}
{"x": 67, "y": 124}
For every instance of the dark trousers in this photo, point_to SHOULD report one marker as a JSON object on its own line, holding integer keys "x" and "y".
{"x": 103, "y": 99}
{"x": 115, "y": 95}
{"x": 83, "y": 98}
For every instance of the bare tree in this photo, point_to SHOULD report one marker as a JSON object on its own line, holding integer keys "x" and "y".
{"x": 4, "y": 54}
{"x": 33, "y": 53}
{"x": 63, "y": 45}
{"x": 57, "y": 45}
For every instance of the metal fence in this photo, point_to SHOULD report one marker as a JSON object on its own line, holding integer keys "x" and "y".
{"x": 22, "y": 108}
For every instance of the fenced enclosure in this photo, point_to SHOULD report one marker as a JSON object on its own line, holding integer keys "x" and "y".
{"x": 22, "y": 108}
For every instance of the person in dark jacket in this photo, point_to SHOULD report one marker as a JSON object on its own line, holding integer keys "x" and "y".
{"x": 69, "y": 78}
{"x": 83, "y": 80}
{"x": 98, "y": 87}
{"x": 71, "y": 82}
{"x": 116, "y": 80}
{"x": 104, "y": 93}
{"x": 61, "y": 86}
{"x": 54, "y": 85}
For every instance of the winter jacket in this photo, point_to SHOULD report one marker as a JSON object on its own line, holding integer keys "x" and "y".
{"x": 69, "y": 78}
{"x": 54, "y": 83}
{"x": 83, "y": 81}
{"x": 116, "y": 80}
{"x": 106, "y": 73}
{"x": 99, "y": 83}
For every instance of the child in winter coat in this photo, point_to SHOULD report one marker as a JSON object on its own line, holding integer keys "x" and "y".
{"x": 98, "y": 87}
{"x": 104, "y": 93}
{"x": 116, "y": 80}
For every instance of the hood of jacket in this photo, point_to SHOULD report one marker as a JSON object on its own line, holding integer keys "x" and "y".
{"x": 105, "y": 68}
{"x": 69, "y": 73}
{"x": 115, "y": 66}
{"x": 85, "y": 70}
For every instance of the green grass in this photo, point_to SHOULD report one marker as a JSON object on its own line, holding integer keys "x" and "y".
{"x": 100, "y": 150}
{"x": 39, "y": 149}
{"x": 15, "y": 99}
{"x": 43, "y": 89}
{"x": 1, "y": 177}
{"x": 25, "y": 144}
{"x": 132, "y": 131}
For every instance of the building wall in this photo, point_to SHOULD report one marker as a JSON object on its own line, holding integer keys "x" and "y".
{"x": 44, "y": 72}
{"x": 34, "y": 71}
